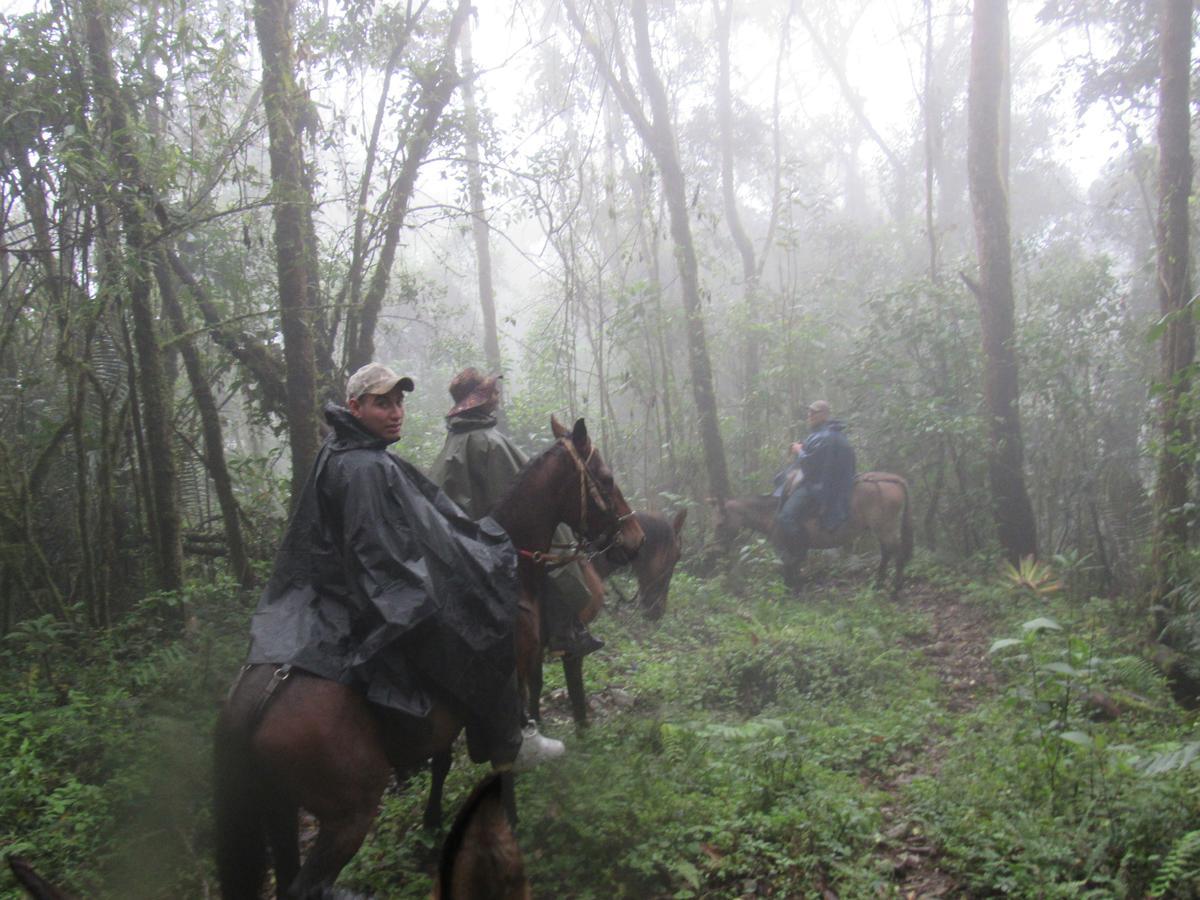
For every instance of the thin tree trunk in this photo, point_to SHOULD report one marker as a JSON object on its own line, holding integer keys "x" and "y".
{"x": 1178, "y": 346}
{"x": 157, "y": 420}
{"x": 435, "y": 94}
{"x": 751, "y": 436}
{"x": 214, "y": 444}
{"x": 358, "y": 252}
{"x": 932, "y": 143}
{"x": 479, "y": 222}
{"x": 292, "y": 205}
{"x": 660, "y": 139}
{"x": 987, "y": 169}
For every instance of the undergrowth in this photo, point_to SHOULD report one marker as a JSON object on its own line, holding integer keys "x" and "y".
{"x": 750, "y": 744}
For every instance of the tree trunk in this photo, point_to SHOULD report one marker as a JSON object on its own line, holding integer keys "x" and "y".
{"x": 155, "y": 403}
{"x": 479, "y": 222}
{"x": 751, "y": 432}
{"x": 987, "y": 171}
{"x": 657, "y": 132}
{"x": 435, "y": 94}
{"x": 1178, "y": 347}
{"x": 292, "y": 205}
{"x": 932, "y": 145}
{"x": 214, "y": 443}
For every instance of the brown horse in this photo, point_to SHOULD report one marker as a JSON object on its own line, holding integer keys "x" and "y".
{"x": 480, "y": 858}
{"x": 532, "y": 572}
{"x": 879, "y": 506}
{"x": 653, "y": 564}
{"x": 306, "y": 742}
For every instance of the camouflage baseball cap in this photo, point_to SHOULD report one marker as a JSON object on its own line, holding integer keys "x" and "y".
{"x": 375, "y": 378}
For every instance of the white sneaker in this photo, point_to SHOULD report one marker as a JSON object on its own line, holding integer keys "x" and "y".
{"x": 536, "y": 749}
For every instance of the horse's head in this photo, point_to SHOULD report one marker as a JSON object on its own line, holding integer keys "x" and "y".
{"x": 598, "y": 511}
{"x": 480, "y": 857}
{"x": 724, "y": 518}
{"x": 755, "y": 513}
{"x": 655, "y": 564}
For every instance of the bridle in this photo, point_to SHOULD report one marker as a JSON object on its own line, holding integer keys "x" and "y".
{"x": 582, "y": 548}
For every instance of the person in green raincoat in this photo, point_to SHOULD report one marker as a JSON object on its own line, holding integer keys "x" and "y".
{"x": 477, "y": 465}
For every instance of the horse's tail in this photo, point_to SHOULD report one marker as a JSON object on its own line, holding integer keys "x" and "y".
{"x": 906, "y": 528}
{"x": 241, "y": 837}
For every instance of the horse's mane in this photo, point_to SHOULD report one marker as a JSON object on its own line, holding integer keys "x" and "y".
{"x": 526, "y": 472}
{"x": 656, "y": 528}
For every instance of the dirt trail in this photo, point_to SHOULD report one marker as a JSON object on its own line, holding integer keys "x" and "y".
{"x": 955, "y": 646}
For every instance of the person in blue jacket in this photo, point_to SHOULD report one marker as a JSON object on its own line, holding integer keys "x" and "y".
{"x": 825, "y": 460}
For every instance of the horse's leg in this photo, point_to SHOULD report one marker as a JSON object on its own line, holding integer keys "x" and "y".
{"x": 338, "y": 840}
{"x": 283, "y": 834}
{"x": 534, "y": 686}
{"x": 573, "y": 671}
{"x": 884, "y": 557}
{"x": 322, "y": 741}
{"x": 899, "y": 582}
{"x": 438, "y": 770}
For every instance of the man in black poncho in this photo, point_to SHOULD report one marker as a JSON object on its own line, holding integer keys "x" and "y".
{"x": 826, "y": 461}
{"x": 382, "y": 582}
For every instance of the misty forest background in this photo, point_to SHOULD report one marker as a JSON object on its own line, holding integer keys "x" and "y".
{"x": 966, "y": 225}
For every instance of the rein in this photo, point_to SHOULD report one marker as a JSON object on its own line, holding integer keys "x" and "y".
{"x": 577, "y": 550}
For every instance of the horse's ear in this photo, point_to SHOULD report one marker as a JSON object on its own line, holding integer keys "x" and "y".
{"x": 680, "y": 518}
{"x": 557, "y": 427}
{"x": 579, "y": 436}
{"x": 481, "y": 859}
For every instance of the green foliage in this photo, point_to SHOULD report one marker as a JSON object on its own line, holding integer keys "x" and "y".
{"x": 752, "y": 744}
{"x": 108, "y": 749}
{"x": 1180, "y": 872}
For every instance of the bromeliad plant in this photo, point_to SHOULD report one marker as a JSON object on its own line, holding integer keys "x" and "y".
{"x": 1055, "y": 670}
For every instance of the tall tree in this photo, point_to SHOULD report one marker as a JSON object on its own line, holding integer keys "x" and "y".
{"x": 657, "y": 131}
{"x": 1178, "y": 346}
{"x": 436, "y": 90}
{"x": 987, "y": 173}
{"x": 751, "y": 437}
{"x": 479, "y": 223}
{"x": 137, "y": 275}
{"x": 287, "y": 108}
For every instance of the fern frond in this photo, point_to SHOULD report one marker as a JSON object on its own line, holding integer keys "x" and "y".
{"x": 1170, "y": 760}
{"x": 1180, "y": 869}
{"x": 1138, "y": 675}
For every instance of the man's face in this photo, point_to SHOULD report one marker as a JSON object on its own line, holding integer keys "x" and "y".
{"x": 381, "y": 414}
{"x": 816, "y": 418}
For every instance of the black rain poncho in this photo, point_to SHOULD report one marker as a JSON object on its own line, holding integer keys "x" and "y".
{"x": 383, "y": 583}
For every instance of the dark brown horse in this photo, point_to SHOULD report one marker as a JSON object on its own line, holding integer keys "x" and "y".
{"x": 532, "y": 572}
{"x": 310, "y": 743}
{"x": 653, "y": 565}
{"x": 879, "y": 506}
{"x": 655, "y": 562}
